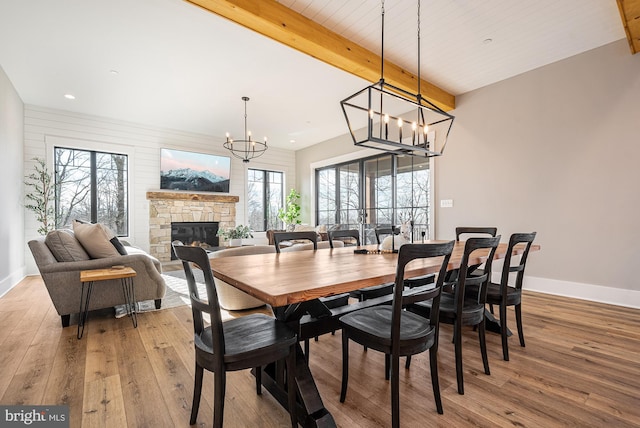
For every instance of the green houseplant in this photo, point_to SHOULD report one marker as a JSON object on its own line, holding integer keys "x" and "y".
{"x": 290, "y": 214}
{"x": 39, "y": 196}
{"x": 237, "y": 233}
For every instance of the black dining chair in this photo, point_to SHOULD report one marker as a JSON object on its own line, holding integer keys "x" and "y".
{"x": 396, "y": 332}
{"x": 503, "y": 294}
{"x": 365, "y": 293}
{"x": 250, "y": 341}
{"x": 330, "y": 302}
{"x": 470, "y": 232}
{"x": 381, "y": 232}
{"x": 352, "y": 236}
{"x": 460, "y": 308}
{"x": 280, "y": 237}
{"x": 374, "y": 291}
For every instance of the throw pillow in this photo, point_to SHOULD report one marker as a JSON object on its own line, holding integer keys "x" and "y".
{"x": 118, "y": 245}
{"x": 64, "y": 246}
{"x": 95, "y": 239}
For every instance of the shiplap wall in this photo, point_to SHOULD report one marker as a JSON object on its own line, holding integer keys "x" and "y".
{"x": 45, "y": 128}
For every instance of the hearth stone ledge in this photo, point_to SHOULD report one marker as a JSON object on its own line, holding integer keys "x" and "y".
{"x": 168, "y": 207}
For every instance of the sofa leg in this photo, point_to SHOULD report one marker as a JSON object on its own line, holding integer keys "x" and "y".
{"x": 158, "y": 303}
{"x": 65, "y": 320}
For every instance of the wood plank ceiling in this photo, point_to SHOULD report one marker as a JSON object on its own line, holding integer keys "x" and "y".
{"x": 630, "y": 14}
{"x": 271, "y": 19}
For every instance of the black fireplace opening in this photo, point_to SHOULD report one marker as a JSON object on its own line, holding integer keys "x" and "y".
{"x": 196, "y": 233}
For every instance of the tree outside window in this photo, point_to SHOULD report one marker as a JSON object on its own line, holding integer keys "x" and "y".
{"x": 265, "y": 197}
{"x": 91, "y": 186}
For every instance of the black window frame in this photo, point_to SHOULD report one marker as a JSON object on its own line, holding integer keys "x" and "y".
{"x": 394, "y": 167}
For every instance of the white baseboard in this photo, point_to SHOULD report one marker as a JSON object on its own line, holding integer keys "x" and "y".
{"x": 595, "y": 293}
{"x": 11, "y": 281}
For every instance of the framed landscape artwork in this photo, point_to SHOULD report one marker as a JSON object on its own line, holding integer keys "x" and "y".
{"x": 180, "y": 170}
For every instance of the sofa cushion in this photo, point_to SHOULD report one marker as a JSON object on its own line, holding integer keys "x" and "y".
{"x": 96, "y": 239}
{"x": 64, "y": 246}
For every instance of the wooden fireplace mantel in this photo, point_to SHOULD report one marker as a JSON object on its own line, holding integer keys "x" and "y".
{"x": 200, "y": 197}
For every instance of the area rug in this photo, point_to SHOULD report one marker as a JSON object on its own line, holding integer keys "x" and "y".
{"x": 177, "y": 294}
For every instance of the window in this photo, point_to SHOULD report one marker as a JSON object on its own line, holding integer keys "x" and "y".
{"x": 375, "y": 192}
{"x": 92, "y": 186}
{"x": 265, "y": 198}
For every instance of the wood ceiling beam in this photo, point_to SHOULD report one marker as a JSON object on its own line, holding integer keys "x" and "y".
{"x": 273, "y": 20}
{"x": 630, "y": 14}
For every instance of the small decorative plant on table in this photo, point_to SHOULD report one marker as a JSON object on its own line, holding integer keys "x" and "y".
{"x": 235, "y": 235}
{"x": 290, "y": 214}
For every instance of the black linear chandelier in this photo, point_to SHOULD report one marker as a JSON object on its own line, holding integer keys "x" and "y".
{"x": 385, "y": 117}
{"x": 248, "y": 148}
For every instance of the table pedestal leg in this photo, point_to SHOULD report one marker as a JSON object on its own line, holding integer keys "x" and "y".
{"x": 310, "y": 409}
{"x": 492, "y": 324}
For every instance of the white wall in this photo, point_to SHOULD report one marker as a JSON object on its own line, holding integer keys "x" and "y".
{"x": 46, "y": 127}
{"x": 556, "y": 151}
{"x": 11, "y": 176}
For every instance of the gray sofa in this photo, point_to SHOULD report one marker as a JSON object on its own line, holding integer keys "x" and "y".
{"x": 62, "y": 278}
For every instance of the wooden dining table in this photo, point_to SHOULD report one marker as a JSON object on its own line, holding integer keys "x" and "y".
{"x": 292, "y": 283}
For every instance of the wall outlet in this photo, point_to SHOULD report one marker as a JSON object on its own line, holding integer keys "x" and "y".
{"x": 446, "y": 203}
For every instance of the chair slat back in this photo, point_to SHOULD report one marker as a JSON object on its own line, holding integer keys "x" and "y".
{"x": 464, "y": 277}
{"x": 401, "y": 297}
{"x": 515, "y": 239}
{"x": 384, "y": 231}
{"x": 198, "y": 256}
{"x": 351, "y": 233}
{"x": 475, "y": 231}
{"x": 279, "y": 237}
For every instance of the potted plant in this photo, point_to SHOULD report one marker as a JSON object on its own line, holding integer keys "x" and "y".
{"x": 235, "y": 235}
{"x": 290, "y": 214}
{"x": 40, "y": 196}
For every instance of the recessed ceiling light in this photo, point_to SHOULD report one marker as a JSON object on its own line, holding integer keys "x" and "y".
{"x": 487, "y": 41}
{"x": 114, "y": 72}
{"x": 292, "y": 141}
{"x": 70, "y": 96}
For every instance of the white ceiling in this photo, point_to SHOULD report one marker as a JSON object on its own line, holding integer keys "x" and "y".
{"x": 184, "y": 68}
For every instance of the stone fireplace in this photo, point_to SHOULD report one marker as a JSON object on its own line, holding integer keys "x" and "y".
{"x": 173, "y": 207}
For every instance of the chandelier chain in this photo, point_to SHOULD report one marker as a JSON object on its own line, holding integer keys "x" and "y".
{"x": 419, "y": 94}
{"x": 382, "y": 46}
{"x": 245, "y": 119}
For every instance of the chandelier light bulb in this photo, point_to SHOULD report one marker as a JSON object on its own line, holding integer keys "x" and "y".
{"x": 386, "y": 126}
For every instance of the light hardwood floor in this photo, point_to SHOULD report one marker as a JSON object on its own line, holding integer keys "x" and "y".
{"x": 581, "y": 367}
